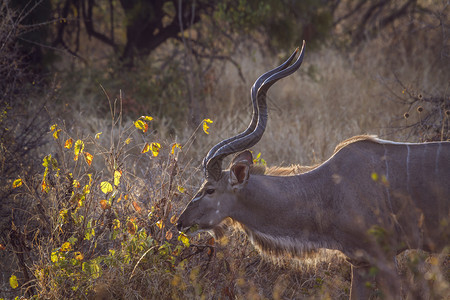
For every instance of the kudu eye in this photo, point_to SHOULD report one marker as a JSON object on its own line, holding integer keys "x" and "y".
{"x": 210, "y": 191}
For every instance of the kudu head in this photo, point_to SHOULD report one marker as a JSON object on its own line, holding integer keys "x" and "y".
{"x": 218, "y": 194}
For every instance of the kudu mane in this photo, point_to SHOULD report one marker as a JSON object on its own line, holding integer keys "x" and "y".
{"x": 299, "y": 169}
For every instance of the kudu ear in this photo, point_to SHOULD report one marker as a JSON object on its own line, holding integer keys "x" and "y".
{"x": 240, "y": 168}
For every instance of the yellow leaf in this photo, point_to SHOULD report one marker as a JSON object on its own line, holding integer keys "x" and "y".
{"x": 146, "y": 148}
{"x": 173, "y": 219}
{"x": 131, "y": 227}
{"x": 136, "y": 206}
{"x": 13, "y": 282}
{"x": 78, "y": 149}
{"x": 128, "y": 140}
{"x": 97, "y": 136}
{"x": 56, "y": 134}
{"x": 65, "y": 247}
{"x": 374, "y": 176}
{"x": 54, "y": 256}
{"x": 176, "y": 145}
{"x": 63, "y": 215}
{"x": 45, "y": 186}
{"x": 205, "y": 125}
{"x": 106, "y": 187}
{"x": 79, "y": 256}
{"x": 76, "y": 183}
{"x": 184, "y": 239}
{"x": 86, "y": 189}
{"x": 146, "y": 118}
{"x": 155, "y": 147}
{"x": 88, "y": 157}
{"x": 105, "y": 205}
{"x": 181, "y": 189}
{"x": 116, "y": 223}
{"x": 141, "y": 125}
{"x": 17, "y": 183}
{"x": 434, "y": 261}
{"x": 47, "y": 161}
{"x": 117, "y": 175}
{"x": 68, "y": 144}
{"x": 53, "y": 127}
{"x": 160, "y": 224}
{"x": 81, "y": 201}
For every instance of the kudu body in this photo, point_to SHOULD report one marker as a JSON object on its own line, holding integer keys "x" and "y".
{"x": 371, "y": 200}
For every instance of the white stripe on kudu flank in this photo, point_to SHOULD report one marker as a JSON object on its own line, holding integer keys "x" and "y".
{"x": 436, "y": 164}
{"x": 407, "y": 169}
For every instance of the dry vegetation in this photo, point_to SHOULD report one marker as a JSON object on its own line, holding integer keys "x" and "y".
{"x": 72, "y": 240}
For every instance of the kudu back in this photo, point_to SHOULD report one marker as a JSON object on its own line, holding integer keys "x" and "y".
{"x": 370, "y": 200}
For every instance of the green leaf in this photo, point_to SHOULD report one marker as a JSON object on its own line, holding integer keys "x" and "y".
{"x": 90, "y": 231}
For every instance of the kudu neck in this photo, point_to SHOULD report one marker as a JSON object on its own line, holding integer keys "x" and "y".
{"x": 285, "y": 205}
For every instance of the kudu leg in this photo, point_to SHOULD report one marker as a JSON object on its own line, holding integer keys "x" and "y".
{"x": 363, "y": 283}
{"x": 389, "y": 283}
{"x": 359, "y": 288}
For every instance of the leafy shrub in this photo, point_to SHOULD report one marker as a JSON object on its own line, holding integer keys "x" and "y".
{"x": 88, "y": 214}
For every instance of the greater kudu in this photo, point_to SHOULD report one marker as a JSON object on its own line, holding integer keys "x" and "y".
{"x": 371, "y": 200}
